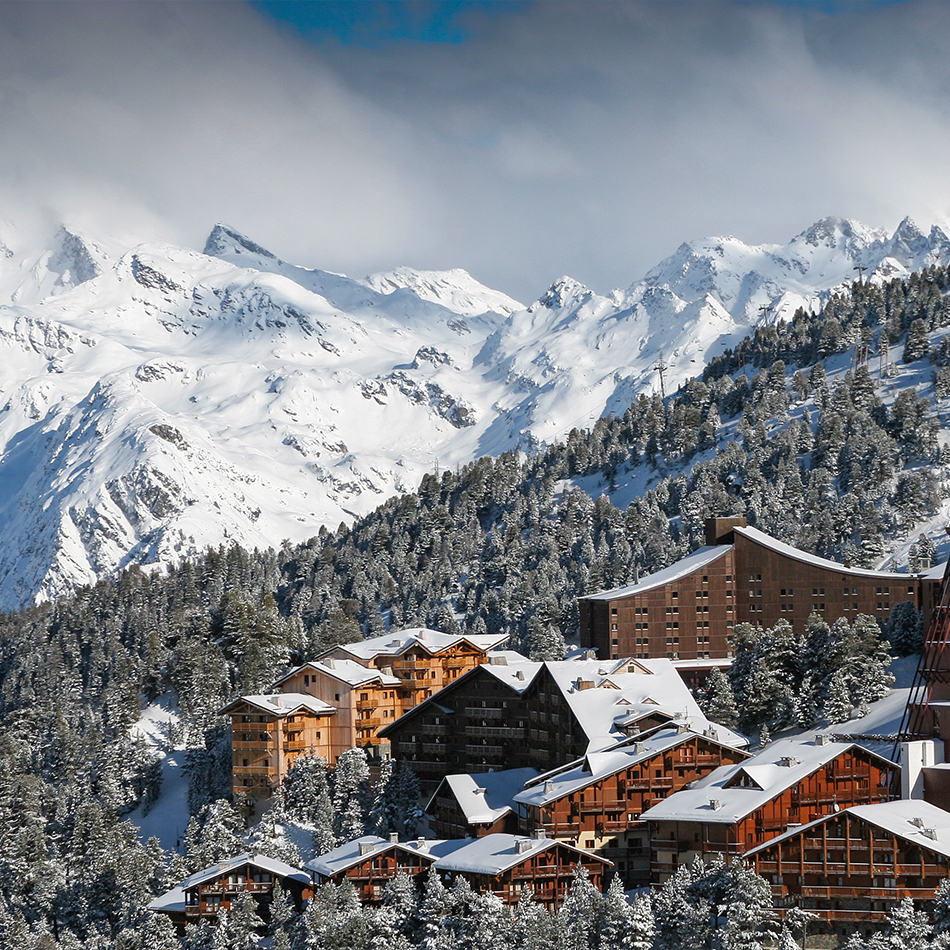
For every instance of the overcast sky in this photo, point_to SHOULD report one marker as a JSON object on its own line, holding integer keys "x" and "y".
{"x": 520, "y": 141}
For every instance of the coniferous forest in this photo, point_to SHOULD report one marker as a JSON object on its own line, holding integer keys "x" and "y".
{"x": 840, "y": 463}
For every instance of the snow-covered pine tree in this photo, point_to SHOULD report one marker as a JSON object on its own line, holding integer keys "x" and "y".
{"x": 350, "y": 794}
{"x": 718, "y": 702}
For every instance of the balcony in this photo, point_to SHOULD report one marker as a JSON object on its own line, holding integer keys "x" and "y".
{"x": 372, "y": 722}
{"x": 295, "y": 745}
{"x": 367, "y": 704}
{"x": 478, "y": 750}
{"x": 483, "y": 712}
{"x": 263, "y": 743}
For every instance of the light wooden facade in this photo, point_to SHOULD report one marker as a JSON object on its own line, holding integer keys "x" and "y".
{"x": 268, "y": 733}
{"x": 423, "y": 663}
{"x": 856, "y": 865}
{"x": 365, "y": 700}
{"x": 688, "y": 611}
{"x": 719, "y": 827}
{"x": 603, "y": 814}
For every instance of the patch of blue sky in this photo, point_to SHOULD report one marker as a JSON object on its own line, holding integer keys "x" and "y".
{"x": 376, "y": 23}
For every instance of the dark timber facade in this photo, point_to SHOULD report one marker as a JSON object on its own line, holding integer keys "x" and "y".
{"x": 688, "y": 610}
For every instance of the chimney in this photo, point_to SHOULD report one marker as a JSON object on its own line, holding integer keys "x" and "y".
{"x": 917, "y": 822}
{"x": 421, "y": 635}
{"x": 788, "y": 761}
{"x": 497, "y": 660}
{"x": 590, "y": 654}
{"x": 715, "y": 804}
{"x": 585, "y": 684}
{"x": 519, "y": 675}
{"x": 366, "y": 847}
{"x": 480, "y": 791}
{"x": 639, "y": 748}
{"x": 421, "y": 843}
{"x": 711, "y": 733}
{"x": 822, "y": 739}
{"x": 539, "y": 834}
{"x": 929, "y": 833}
{"x": 522, "y": 845}
{"x": 548, "y": 787}
{"x": 682, "y": 729}
{"x": 914, "y": 758}
{"x": 720, "y": 530}
{"x": 330, "y": 663}
{"x": 394, "y": 837}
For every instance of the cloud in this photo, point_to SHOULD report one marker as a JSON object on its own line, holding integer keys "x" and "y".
{"x": 584, "y": 138}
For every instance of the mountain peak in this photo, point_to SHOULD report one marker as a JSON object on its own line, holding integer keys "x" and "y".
{"x": 564, "y": 291}
{"x": 225, "y": 241}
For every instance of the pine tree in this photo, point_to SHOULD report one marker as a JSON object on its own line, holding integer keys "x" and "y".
{"x": 350, "y": 794}
{"x": 718, "y": 702}
{"x": 579, "y": 914}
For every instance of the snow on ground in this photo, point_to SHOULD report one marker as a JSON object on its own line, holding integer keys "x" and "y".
{"x": 168, "y": 817}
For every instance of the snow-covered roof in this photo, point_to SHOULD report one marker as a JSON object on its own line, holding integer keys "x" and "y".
{"x": 484, "y": 797}
{"x": 914, "y": 820}
{"x": 283, "y": 704}
{"x": 936, "y": 572}
{"x": 717, "y": 798}
{"x": 432, "y": 641}
{"x": 780, "y": 547}
{"x": 605, "y": 695}
{"x": 354, "y": 852}
{"x": 692, "y": 562}
{"x": 347, "y": 671}
{"x": 598, "y": 765}
{"x": 710, "y": 553}
{"x": 174, "y": 899}
{"x": 493, "y": 854}
{"x": 514, "y": 670}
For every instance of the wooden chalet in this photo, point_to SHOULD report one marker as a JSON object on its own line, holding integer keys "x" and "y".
{"x": 738, "y": 807}
{"x": 596, "y": 803}
{"x": 269, "y": 732}
{"x": 365, "y": 700}
{"x": 474, "y": 805}
{"x": 364, "y": 686}
{"x": 423, "y": 660}
{"x": 204, "y": 894}
{"x": 370, "y": 862}
{"x": 854, "y": 866}
{"x": 504, "y": 865}
{"x": 688, "y": 610}
{"x": 515, "y": 713}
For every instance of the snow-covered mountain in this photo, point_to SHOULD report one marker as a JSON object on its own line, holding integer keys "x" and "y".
{"x": 156, "y": 400}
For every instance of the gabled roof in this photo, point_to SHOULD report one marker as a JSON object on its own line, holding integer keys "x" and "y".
{"x": 914, "y": 820}
{"x": 599, "y": 765}
{"x": 738, "y": 790}
{"x": 174, "y": 900}
{"x": 355, "y": 852}
{"x": 510, "y": 668}
{"x": 432, "y": 641}
{"x": 493, "y": 854}
{"x": 484, "y": 797}
{"x": 605, "y": 696}
{"x": 346, "y": 671}
{"x": 283, "y": 704}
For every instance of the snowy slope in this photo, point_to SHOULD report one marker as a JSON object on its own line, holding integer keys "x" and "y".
{"x": 156, "y": 400}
